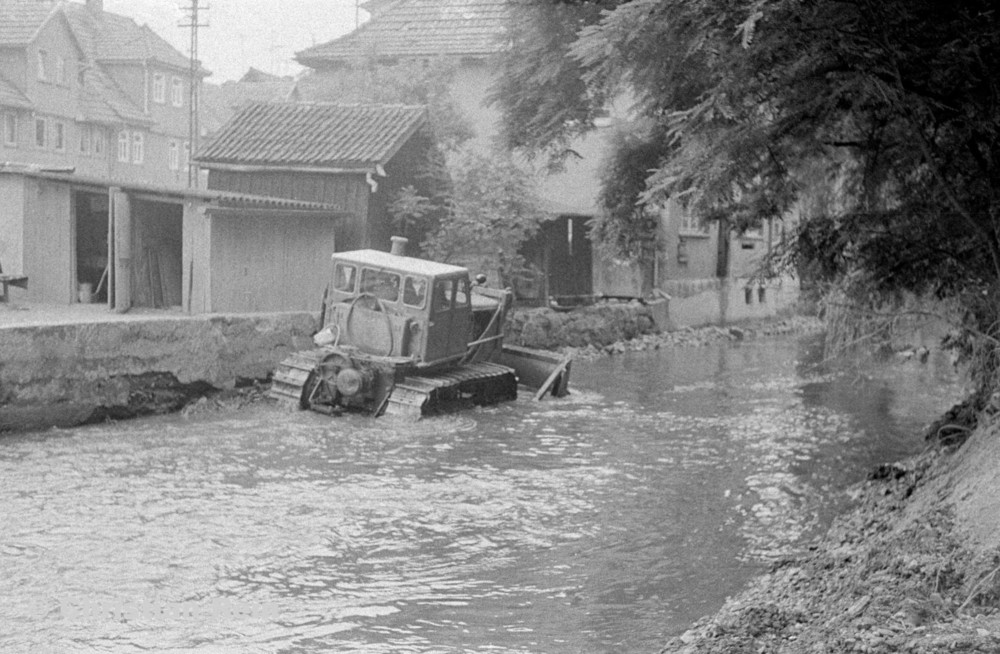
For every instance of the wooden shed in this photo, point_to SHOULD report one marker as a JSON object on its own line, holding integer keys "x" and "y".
{"x": 353, "y": 158}
{"x": 88, "y": 239}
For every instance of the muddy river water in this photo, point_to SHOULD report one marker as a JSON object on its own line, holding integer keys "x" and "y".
{"x": 603, "y": 522}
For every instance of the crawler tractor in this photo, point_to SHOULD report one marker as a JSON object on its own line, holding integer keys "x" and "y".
{"x": 407, "y": 336}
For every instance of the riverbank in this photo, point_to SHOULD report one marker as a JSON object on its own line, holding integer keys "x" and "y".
{"x": 701, "y": 336}
{"x": 914, "y": 567}
{"x": 67, "y": 367}
{"x": 613, "y": 327}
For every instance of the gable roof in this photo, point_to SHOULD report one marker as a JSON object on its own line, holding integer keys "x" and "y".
{"x": 101, "y": 101}
{"x": 20, "y": 20}
{"x": 420, "y": 28}
{"x": 103, "y": 37}
{"x": 108, "y": 38}
{"x": 344, "y": 137}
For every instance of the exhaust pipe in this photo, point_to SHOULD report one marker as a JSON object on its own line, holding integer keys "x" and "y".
{"x": 399, "y": 245}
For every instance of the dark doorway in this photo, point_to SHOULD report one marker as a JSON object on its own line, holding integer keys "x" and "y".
{"x": 91, "y": 211}
{"x": 560, "y": 263}
{"x": 157, "y": 245}
{"x": 570, "y": 260}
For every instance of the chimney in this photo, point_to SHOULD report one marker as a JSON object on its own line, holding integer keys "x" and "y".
{"x": 96, "y": 6}
{"x": 399, "y": 245}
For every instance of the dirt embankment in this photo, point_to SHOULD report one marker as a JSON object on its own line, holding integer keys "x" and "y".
{"x": 915, "y": 567}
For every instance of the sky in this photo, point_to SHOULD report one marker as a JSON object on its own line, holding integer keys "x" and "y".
{"x": 264, "y": 34}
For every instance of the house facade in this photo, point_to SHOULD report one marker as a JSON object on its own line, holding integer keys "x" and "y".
{"x": 692, "y": 263}
{"x": 469, "y": 34}
{"x": 87, "y": 90}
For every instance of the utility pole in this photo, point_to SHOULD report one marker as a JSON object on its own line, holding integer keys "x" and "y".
{"x": 193, "y": 19}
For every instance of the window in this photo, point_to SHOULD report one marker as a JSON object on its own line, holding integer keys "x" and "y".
{"x": 123, "y": 143}
{"x": 442, "y": 296}
{"x": 159, "y": 88}
{"x": 60, "y": 70}
{"x": 450, "y": 293}
{"x": 138, "y": 147}
{"x": 174, "y": 160}
{"x": 59, "y": 136}
{"x": 380, "y": 283}
{"x": 462, "y": 295}
{"x": 691, "y": 224}
{"x": 97, "y": 140}
{"x": 177, "y": 92}
{"x": 10, "y": 130}
{"x": 343, "y": 278}
{"x": 43, "y": 70}
{"x": 41, "y": 133}
{"x": 85, "y": 140}
{"x": 414, "y": 292}
{"x": 186, "y": 155}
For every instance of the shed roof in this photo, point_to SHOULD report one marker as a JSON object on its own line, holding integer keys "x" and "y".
{"x": 218, "y": 198}
{"x": 347, "y": 137}
{"x": 420, "y": 28}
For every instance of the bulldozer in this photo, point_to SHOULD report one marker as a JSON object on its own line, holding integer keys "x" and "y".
{"x": 411, "y": 337}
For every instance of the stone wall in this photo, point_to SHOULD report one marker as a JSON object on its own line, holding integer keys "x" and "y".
{"x": 66, "y": 374}
{"x": 600, "y": 324}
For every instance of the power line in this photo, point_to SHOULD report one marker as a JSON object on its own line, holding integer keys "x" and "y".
{"x": 193, "y": 18}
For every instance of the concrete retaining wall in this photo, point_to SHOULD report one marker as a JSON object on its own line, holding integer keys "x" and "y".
{"x": 67, "y": 374}
{"x": 698, "y": 302}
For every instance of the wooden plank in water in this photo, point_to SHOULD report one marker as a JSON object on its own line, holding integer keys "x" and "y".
{"x": 537, "y": 369}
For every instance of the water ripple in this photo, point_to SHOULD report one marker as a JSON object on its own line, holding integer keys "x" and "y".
{"x": 604, "y": 521}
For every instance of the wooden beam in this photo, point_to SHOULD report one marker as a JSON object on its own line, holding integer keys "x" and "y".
{"x": 275, "y": 212}
{"x": 123, "y": 251}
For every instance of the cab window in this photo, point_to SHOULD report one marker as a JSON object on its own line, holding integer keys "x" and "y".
{"x": 414, "y": 292}
{"x": 344, "y": 276}
{"x": 462, "y": 297}
{"x": 380, "y": 283}
{"x": 443, "y": 292}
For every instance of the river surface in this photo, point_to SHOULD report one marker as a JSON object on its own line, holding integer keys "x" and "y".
{"x": 607, "y": 521}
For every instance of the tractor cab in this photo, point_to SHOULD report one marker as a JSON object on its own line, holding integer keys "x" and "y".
{"x": 390, "y": 305}
{"x": 410, "y": 337}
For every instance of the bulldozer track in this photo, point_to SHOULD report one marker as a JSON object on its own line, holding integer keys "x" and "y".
{"x": 292, "y": 374}
{"x": 414, "y": 396}
{"x": 480, "y": 383}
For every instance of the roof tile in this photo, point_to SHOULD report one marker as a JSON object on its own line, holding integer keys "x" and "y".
{"x": 320, "y": 135}
{"x": 11, "y": 96}
{"x": 103, "y": 102}
{"x": 109, "y": 37}
{"x": 20, "y": 20}
{"x": 421, "y": 28}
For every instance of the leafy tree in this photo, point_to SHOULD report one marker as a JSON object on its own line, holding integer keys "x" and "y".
{"x": 491, "y": 211}
{"x": 472, "y": 208}
{"x": 544, "y": 98}
{"x": 758, "y": 104}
